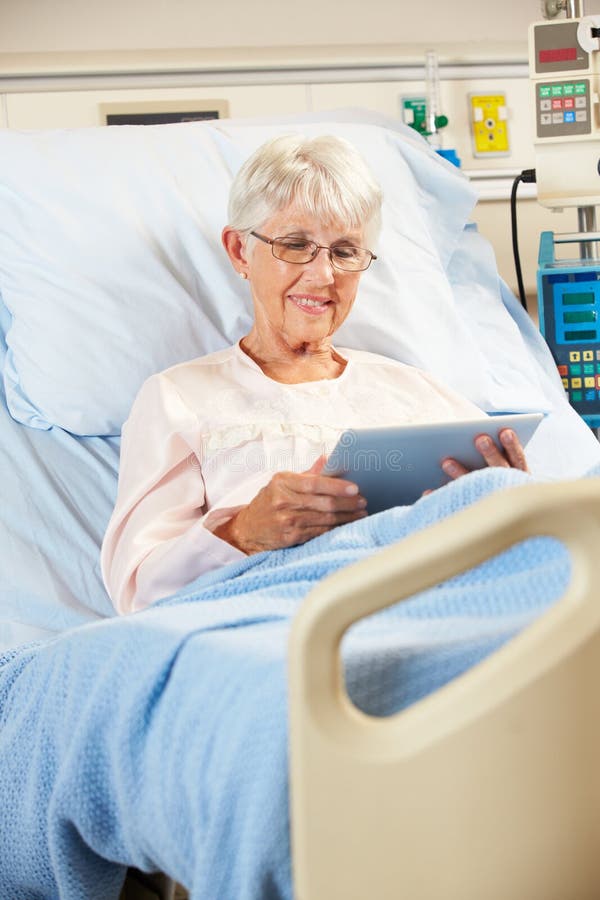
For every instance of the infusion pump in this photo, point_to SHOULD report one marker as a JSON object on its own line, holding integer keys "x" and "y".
{"x": 563, "y": 64}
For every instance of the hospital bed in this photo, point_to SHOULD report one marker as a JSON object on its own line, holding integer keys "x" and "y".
{"x": 159, "y": 742}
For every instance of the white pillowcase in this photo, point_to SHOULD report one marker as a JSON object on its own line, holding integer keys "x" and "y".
{"x": 112, "y": 267}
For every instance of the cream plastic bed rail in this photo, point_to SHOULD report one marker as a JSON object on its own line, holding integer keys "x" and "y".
{"x": 489, "y": 789}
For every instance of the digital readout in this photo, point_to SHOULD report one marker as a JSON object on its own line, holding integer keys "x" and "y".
{"x": 580, "y": 335}
{"x": 558, "y": 54}
{"x": 577, "y": 317}
{"x": 576, "y": 299}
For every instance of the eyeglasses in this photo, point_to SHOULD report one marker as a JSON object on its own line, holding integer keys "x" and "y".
{"x": 300, "y": 251}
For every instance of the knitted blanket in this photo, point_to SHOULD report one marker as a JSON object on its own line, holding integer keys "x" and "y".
{"x": 160, "y": 740}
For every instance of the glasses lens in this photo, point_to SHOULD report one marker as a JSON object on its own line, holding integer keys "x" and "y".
{"x": 299, "y": 250}
{"x": 352, "y": 259}
{"x": 294, "y": 250}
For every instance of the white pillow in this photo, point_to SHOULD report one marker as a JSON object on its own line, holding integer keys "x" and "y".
{"x": 112, "y": 267}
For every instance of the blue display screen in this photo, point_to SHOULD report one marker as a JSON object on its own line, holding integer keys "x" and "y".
{"x": 577, "y": 312}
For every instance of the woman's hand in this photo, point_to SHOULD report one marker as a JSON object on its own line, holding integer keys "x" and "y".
{"x": 513, "y": 456}
{"x": 293, "y": 508}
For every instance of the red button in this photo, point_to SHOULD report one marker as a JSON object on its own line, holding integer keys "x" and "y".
{"x": 598, "y": 382}
{"x": 557, "y": 104}
{"x": 569, "y": 103}
{"x": 563, "y": 370}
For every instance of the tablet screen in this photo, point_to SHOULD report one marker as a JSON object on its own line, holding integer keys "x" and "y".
{"x": 392, "y": 466}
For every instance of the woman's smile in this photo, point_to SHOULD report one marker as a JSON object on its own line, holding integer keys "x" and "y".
{"x": 311, "y": 304}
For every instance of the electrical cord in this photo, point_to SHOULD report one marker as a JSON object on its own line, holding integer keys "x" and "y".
{"x": 527, "y": 176}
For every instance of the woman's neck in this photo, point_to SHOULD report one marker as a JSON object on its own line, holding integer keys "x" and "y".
{"x": 292, "y": 365}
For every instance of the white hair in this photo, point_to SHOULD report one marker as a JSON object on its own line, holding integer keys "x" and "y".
{"x": 326, "y": 176}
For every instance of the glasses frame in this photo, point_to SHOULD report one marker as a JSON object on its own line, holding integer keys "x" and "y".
{"x": 271, "y": 241}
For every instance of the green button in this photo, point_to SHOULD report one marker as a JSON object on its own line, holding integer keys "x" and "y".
{"x": 545, "y": 90}
{"x": 576, "y": 396}
{"x": 557, "y": 90}
{"x": 580, "y": 87}
{"x": 568, "y": 90}
{"x": 575, "y": 370}
{"x": 598, "y": 368}
{"x": 588, "y": 369}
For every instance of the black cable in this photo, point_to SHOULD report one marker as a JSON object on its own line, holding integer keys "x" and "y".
{"x": 527, "y": 176}
{"x": 515, "y": 240}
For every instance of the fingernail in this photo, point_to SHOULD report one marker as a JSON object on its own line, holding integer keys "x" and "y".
{"x": 483, "y": 443}
{"x": 448, "y": 467}
{"x": 352, "y": 489}
{"x": 508, "y": 436}
{"x": 362, "y": 503}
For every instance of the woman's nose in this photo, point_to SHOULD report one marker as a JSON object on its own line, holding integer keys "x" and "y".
{"x": 321, "y": 265}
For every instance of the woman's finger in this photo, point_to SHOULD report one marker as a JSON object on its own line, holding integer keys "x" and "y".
{"x": 454, "y": 469}
{"x": 514, "y": 449}
{"x": 331, "y": 503}
{"x": 323, "y": 494}
{"x": 312, "y": 482}
{"x": 327, "y": 520}
{"x": 511, "y": 455}
{"x": 490, "y": 452}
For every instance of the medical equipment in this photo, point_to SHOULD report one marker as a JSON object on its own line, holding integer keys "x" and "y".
{"x": 434, "y": 120}
{"x": 563, "y": 61}
{"x": 569, "y": 316}
{"x": 564, "y": 69}
{"x": 488, "y": 115}
{"x": 414, "y": 112}
{"x": 424, "y": 115}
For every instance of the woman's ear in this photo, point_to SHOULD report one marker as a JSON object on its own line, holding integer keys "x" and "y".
{"x": 235, "y": 245}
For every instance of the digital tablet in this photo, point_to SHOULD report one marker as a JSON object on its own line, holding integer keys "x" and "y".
{"x": 392, "y": 466}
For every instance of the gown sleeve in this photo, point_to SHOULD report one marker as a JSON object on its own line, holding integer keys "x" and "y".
{"x": 156, "y": 540}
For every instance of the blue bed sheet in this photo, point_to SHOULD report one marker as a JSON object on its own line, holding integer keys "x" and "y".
{"x": 57, "y": 495}
{"x": 160, "y": 740}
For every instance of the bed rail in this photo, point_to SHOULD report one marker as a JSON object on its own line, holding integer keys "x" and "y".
{"x": 489, "y": 788}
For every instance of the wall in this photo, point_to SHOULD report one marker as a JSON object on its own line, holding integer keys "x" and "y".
{"x": 42, "y": 25}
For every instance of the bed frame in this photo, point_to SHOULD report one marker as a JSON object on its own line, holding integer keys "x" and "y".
{"x": 488, "y": 788}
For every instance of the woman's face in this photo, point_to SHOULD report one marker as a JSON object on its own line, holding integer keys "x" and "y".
{"x": 300, "y": 304}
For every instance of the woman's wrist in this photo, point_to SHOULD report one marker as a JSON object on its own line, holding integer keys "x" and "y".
{"x": 228, "y": 532}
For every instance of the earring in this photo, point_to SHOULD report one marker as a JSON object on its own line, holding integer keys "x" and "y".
{"x": 243, "y": 275}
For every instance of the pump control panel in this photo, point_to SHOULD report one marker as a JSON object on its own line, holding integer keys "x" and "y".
{"x": 569, "y": 315}
{"x": 563, "y": 108}
{"x": 564, "y": 77}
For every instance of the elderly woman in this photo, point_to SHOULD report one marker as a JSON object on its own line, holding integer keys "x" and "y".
{"x": 222, "y": 456}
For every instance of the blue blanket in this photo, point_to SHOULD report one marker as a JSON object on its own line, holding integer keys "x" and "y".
{"x": 160, "y": 740}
